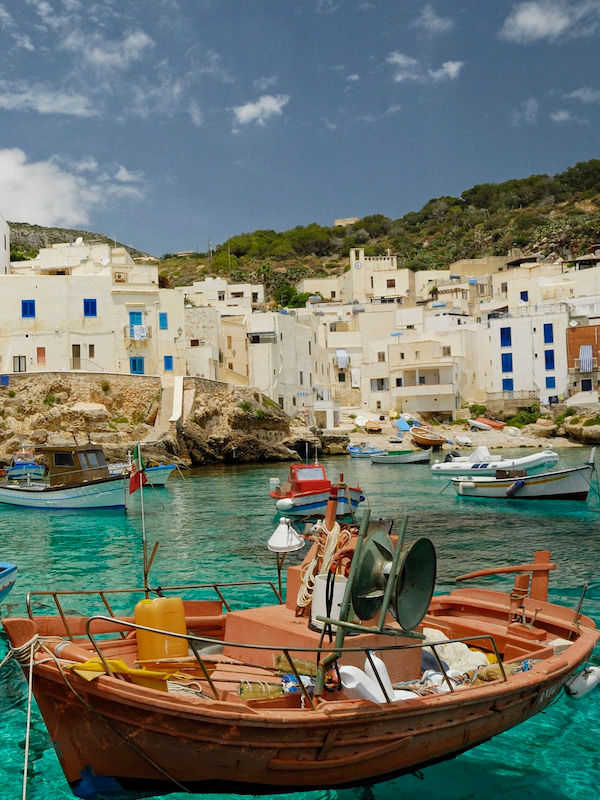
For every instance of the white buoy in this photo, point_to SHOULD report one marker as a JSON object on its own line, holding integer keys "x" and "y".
{"x": 285, "y": 504}
{"x": 582, "y": 684}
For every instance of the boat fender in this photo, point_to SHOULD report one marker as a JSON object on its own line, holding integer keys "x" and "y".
{"x": 512, "y": 490}
{"x": 582, "y": 684}
{"x": 285, "y": 504}
{"x": 381, "y": 670}
{"x": 452, "y": 455}
{"x": 462, "y": 485}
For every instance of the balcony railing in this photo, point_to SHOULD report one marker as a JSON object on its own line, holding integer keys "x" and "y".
{"x": 577, "y": 365}
{"x": 137, "y": 333}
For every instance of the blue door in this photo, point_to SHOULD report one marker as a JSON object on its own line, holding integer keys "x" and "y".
{"x": 136, "y": 365}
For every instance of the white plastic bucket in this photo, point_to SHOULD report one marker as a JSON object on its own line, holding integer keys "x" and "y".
{"x": 319, "y": 605}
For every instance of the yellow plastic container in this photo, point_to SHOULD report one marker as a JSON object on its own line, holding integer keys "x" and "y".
{"x": 166, "y": 613}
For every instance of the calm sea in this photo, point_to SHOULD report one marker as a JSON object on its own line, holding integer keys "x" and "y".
{"x": 214, "y": 526}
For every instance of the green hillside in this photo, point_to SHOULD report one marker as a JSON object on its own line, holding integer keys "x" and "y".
{"x": 557, "y": 214}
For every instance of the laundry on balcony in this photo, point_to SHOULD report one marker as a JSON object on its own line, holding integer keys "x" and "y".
{"x": 139, "y": 333}
{"x": 585, "y": 358}
{"x": 355, "y": 377}
{"x": 342, "y": 359}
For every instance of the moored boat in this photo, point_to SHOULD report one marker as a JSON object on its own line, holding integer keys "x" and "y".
{"x": 402, "y": 457}
{"x": 8, "y": 576}
{"x": 24, "y": 467}
{"x": 307, "y": 492}
{"x": 491, "y": 423}
{"x": 426, "y": 437}
{"x": 77, "y": 478}
{"x": 364, "y": 450}
{"x": 156, "y": 475}
{"x": 476, "y": 425}
{"x": 481, "y": 462}
{"x": 567, "y": 484}
{"x": 133, "y": 715}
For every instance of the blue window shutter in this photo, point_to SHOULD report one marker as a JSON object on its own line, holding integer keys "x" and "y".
{"x": 507, "y": 362}
{"x": 89, "y": 307}
{"x": 548, "y": 333}
{"x": 163, "y": 321}
{"x": 525, "y": 296}
{"x": 135, "y": 317}
{"x": 168, "y": 363}
{"x": 136, "y": 365}
{"x": 507, "y": 384}
{"x": 505, "y": 337}
{"x": 550, "y": 382}
{"x": 27, "y": 308}
{"x": 549, "y": 358}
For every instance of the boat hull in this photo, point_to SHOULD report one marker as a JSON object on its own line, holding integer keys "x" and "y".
{"x": 23, "y": 472}
{"x": 104, "y": 493}
{"x": 210, "y": 750}
{"x": 8, "y": 576}
{"x": 426, "y": 439}
{"x": 535, "y": 462}
{"x": 158, "y": 476}
{"x": 316, "y": 502}
{"x": 569, "y": 484}
{"x": 412, "y": 457}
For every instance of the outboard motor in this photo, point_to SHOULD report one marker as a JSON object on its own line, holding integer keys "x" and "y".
{"x": 452, "y": 455}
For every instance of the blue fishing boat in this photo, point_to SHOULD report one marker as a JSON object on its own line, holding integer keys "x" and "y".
{"x": 364, "y": 450}
{"x": 8, "y": 576}
{"x": 24, "y": 467}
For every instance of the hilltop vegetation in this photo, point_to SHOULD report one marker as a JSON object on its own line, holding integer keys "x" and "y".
{"x": 555, "y": 215}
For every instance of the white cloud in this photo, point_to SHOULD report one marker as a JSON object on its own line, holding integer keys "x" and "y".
{"x": 331, "y": 126}
{"x": 393, "y": 109}
{"x": 449, "y": 70}
{"x": 264, "y": 83}
{"x": 265, "y": 107}
{"x": 551, "y": 20}
{"x": 212, "y": 64}
{"x": 584, "y": 95}
{"x": 46, "y": 193}
{"x": 105, "y": 54}
{"x": 352, "y": 78}
{"x": 527, "y": 112}
{"x": 124, "y": 175}
{"x": 20, "y": 96}
{"x": 430, "y": 23}
{"x": 195, "y": 113}
{"x": 407, "y": 68}
{"x": 564, "y": 117}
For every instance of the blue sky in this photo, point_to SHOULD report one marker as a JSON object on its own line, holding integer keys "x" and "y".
{"x": 165, "y": 123}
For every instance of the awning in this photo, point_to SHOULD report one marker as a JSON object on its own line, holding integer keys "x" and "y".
{"x": 585, "y": 358}
{"x": 342, "y": 358}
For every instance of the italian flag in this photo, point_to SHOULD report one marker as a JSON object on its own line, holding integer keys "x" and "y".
{"x": 138, "y": 476}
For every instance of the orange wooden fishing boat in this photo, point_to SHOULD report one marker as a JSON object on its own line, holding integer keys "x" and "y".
{"x": 426, "y": 437}
{"x": 271, "y": 701}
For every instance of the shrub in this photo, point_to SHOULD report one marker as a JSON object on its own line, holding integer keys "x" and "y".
{"x": 592, "y": 421}
{"x": 120, "y": 420}
{"x": 11, "y": 393}
{"x": 246, "y": 406}
{"x": 477, "y": 410}
{"x": 105, "y": 386}
{"x": 524, "y": 417}
{"x": 50, "y": 400}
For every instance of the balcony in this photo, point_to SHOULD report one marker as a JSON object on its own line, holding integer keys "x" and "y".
{"x": 577, "y": 366}
{"x": 137, "y": 333}
{"x": 424, "y": 390}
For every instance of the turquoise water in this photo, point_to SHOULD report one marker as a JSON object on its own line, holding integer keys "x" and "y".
{"x": 214, "y": 526}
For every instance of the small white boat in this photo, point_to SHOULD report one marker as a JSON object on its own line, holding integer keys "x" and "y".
{"x": 395, "y": 439}
{"x": 463, "y": 441}
{"x": 475, "y": 425}
{"x": 565, "y": 484}
{"x": 307, "y": 492}
{"x": 480, "y": 462}
{"x": 77, "y": 478}
{"x": 402, "y": 457}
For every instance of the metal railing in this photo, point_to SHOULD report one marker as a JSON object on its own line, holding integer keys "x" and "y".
{"x": 137, "y": 333}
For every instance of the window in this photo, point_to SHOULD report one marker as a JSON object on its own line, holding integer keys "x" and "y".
{"x": 221, "y": 295}
{"x": 504, "y": 288}
{"x": 446, "y": 351}
{"x": 379, "y": 384}
{"x": 91, "y": 350}
{"x": 341, "y": 377}
{"x": 586, "y": 385}
{"x": 549, "y": 359}
{"x": 417, "y": 354}
{"x": 28, "y": 308}
{"x": 168, "y": 363}
{"x": 194, "y": 342}
{"x": 163, "y": 321}
{"x": 505, "y": 337}
{"x": 525, "y": 296}
{"x": 378, "y": 405}
{"x": 390, "y": 283}
{"x": 548, "y": 333}
{"x": 401, "y": 356}
{"x": 229, "y": 342}
{"x": 230, "y": 365}
{"x": 398, "y": 381}
{"x": 135, "y": 317}
{"x": 507, "y": 384}
{"x": 550, "y": 382}
{"x": 333, "y": 295}
{"x": 63, "y": 460}
{"x": 136, "y": 365}
{"x": 309, "y": 349}
{"x": 280, "y": 401}
{"x": 41, "y": 355}
{"x": 19, "y": 364}
{"x": 421, "y": 380}
{"x": 380, "y": 356}
{"x": 89, "y": 307}
{"x": 255, "y": 300}
{"x": 301, "y": 379}
{"x": 507, "y": 362}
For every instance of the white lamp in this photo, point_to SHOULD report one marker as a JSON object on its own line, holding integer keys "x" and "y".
{"x": 284, "y": 539}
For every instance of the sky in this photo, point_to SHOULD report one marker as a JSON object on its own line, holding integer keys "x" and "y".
{"x": 169, "y": 124}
